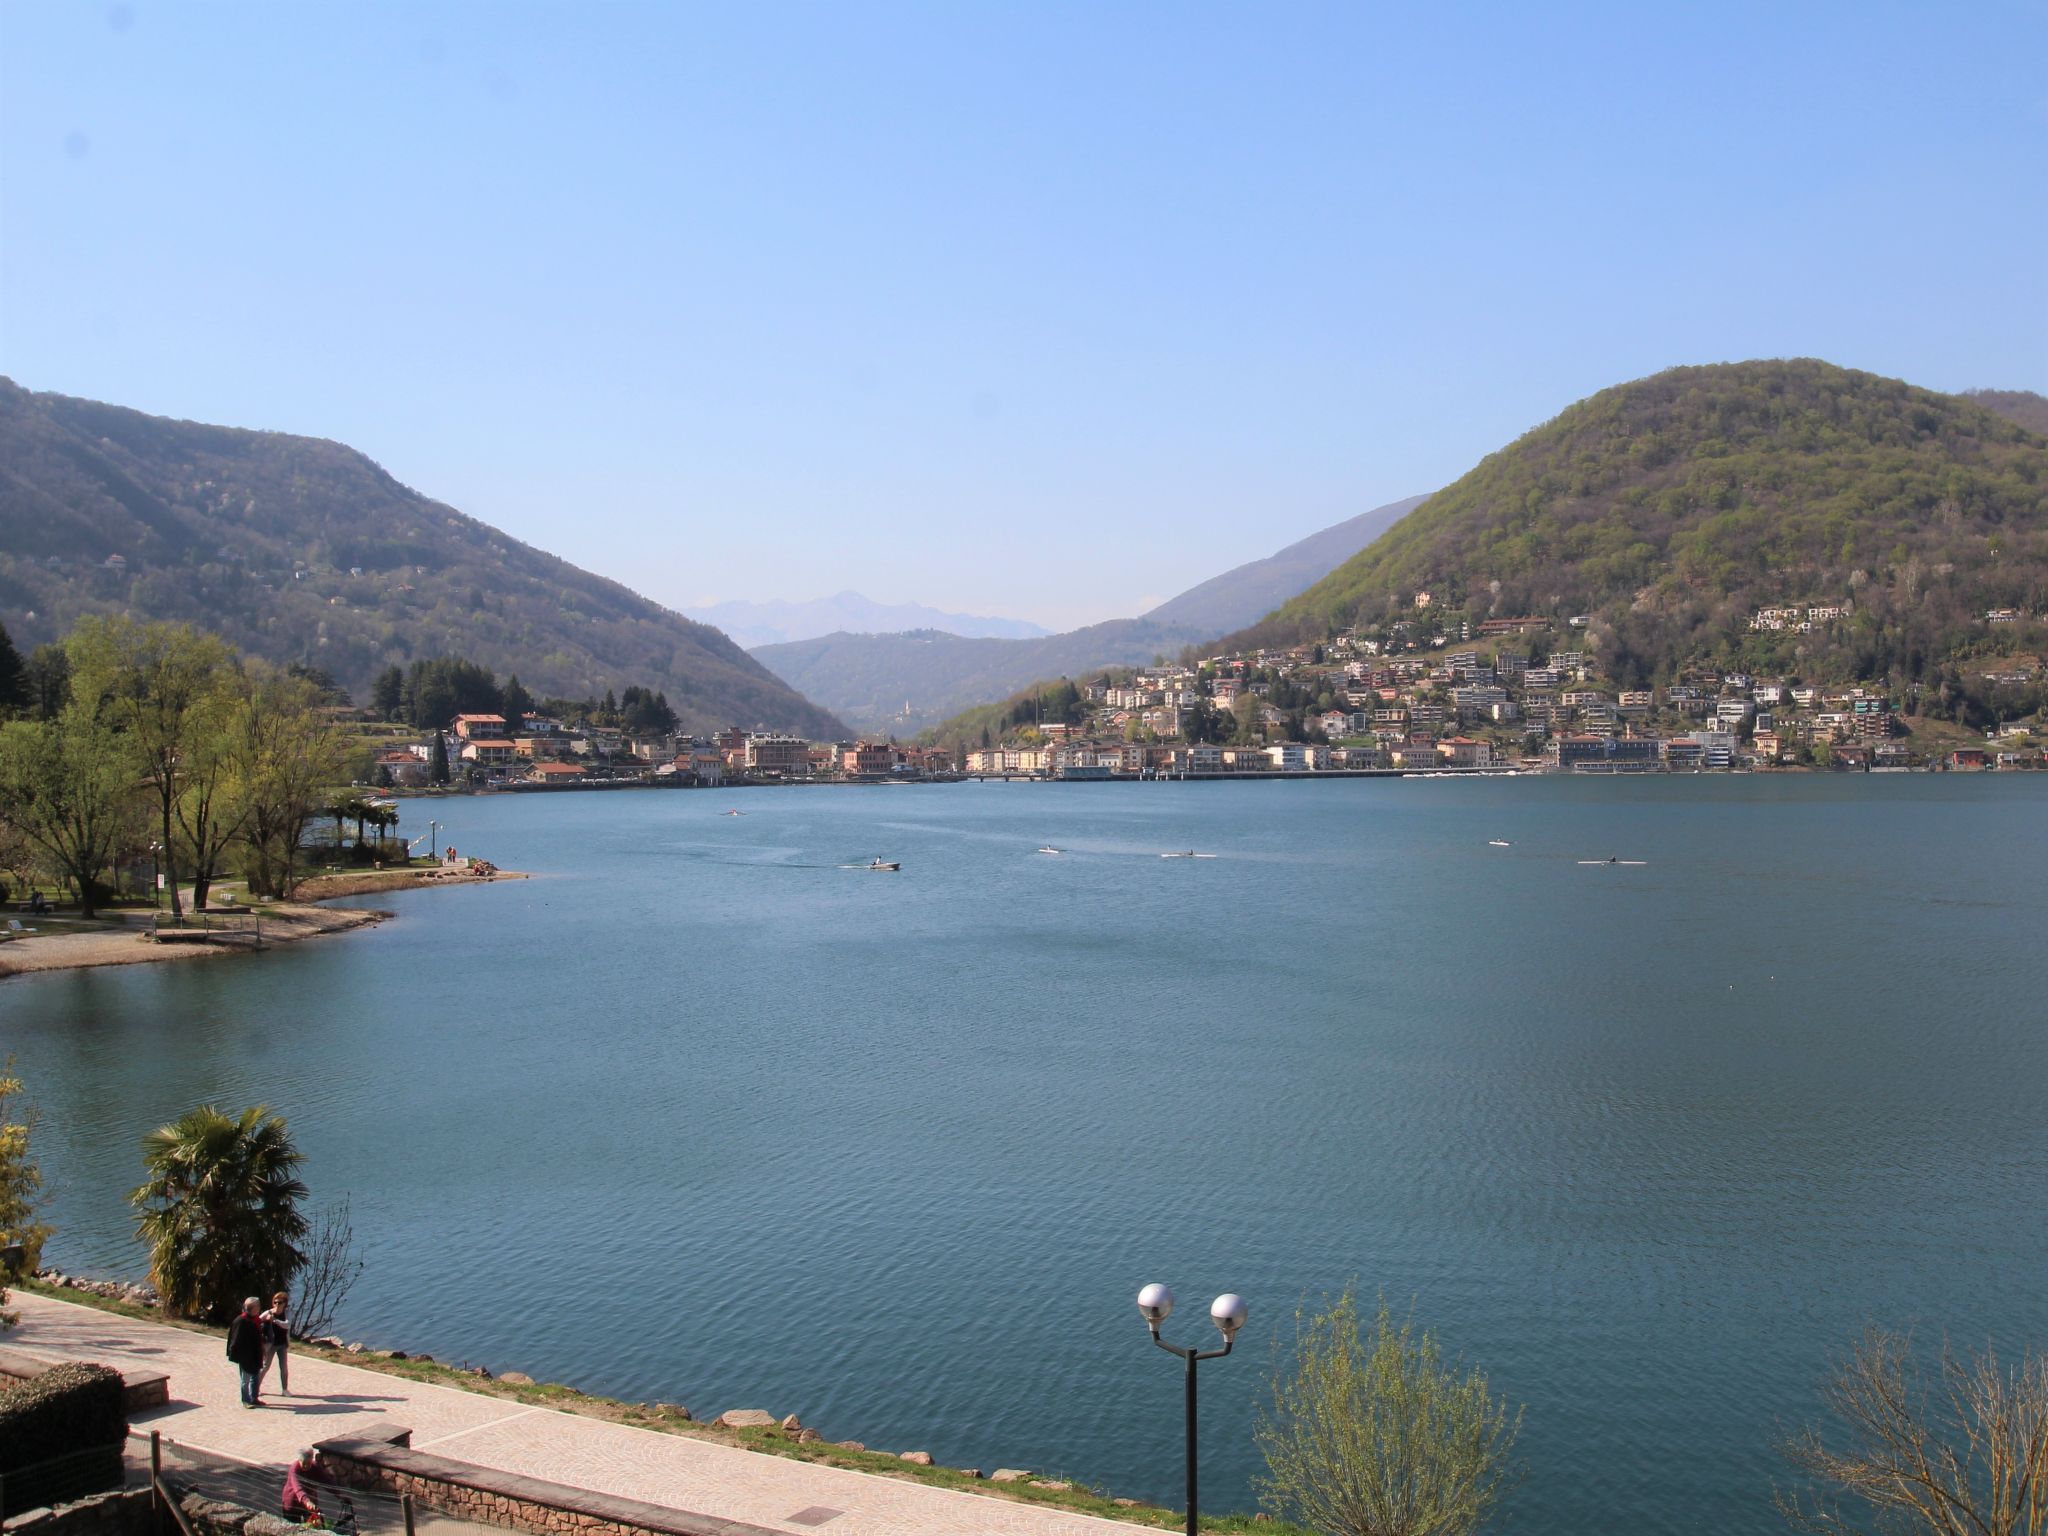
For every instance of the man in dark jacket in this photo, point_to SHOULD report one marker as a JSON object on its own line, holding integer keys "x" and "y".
{"x": 245, "y": 1348}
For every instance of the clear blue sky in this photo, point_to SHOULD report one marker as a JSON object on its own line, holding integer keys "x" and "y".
{"x": 1041, "y": 310}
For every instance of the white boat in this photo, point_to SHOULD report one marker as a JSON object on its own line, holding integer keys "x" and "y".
{"x": 1048, "y": 848}
{"x": 879, "y": 864}
{"x": 735, "y": 813}
{"x": 1190, "y": 854}
{"x": 1498, "y": 842}
{"x": 1618, "y": 863}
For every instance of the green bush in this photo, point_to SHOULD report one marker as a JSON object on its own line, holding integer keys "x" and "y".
{"x": 67, "y": 1409}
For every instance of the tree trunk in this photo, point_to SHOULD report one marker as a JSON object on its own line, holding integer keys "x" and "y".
{"x": 170, "y": 868}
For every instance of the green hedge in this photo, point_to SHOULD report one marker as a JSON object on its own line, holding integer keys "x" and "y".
{"x": 66, "y": 1410}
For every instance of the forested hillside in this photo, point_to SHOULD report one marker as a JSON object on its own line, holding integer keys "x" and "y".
{"x": 301, "y": 550}
{"x": 2021, "y": 405}
{"x": 1665, "y": 513}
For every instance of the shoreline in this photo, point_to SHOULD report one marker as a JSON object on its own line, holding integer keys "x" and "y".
{"x": 284, "y": 923}
{"x": 760, "y": 1431}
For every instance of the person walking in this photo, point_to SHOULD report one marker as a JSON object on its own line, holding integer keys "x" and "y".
{"x": 277, "y": 1342}
{"x": 245, "y": 1348}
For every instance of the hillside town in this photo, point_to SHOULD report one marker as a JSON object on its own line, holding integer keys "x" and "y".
{"x": 1505, "y": 695}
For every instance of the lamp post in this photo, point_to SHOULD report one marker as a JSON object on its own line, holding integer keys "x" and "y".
{"x": 433, "y": 840}
{"x": 1228, "y": 1313}
{"x": 156, "y": 879}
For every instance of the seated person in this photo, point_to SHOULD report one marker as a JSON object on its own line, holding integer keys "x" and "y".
{"x": 299, "y": 1505}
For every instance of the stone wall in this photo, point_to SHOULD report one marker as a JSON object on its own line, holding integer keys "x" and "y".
{"x": 122, "y": 1513}
{"x": 491, "y": 1497}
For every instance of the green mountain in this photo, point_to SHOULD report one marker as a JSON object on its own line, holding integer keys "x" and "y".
{"x": 1666, "y": 512}
{"x": 2021, "y": 405}
{"x": 297, "y": 549}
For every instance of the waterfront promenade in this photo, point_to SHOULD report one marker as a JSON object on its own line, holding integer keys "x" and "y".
{"x": 335, "y": 1401}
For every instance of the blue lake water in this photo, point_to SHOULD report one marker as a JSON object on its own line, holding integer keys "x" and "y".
{"x": 702, "y": 1115}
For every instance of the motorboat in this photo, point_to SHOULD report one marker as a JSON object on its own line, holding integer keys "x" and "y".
{"x": 880, "y": 864}
{"x": 1498, "y": 842}
{"x": 1048, "y": 848}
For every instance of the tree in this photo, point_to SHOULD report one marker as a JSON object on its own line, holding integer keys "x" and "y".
{"x": 289, "y": 754}
{"x": 219, "y": 1211}
{"x": 387, "y": 693}
{"x": 437, "y": 765}
{"x": 165, "y": 686}
{"x": 331, "y": 1269}
{"x": 1374, "y": 1435}
{"x": 21, "y": 1182}
{"x": 67, "y": 788}
{"x": 49, "y": 681}
{"x": 1965, "y": 1455}
{"x": 14, "y": 689}
{"x": 213, "y": 808}
{"x": 516, "y": 705}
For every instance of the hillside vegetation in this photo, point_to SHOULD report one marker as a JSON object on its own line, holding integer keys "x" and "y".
{"x": 1664, "y": 513}
{"x": 299, "y": 550}
{"x": 2021, "y": 405}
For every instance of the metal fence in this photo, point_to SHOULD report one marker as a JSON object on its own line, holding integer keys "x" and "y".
{"x": 261, "y": 1488}
{"x": 61, "y": 1479}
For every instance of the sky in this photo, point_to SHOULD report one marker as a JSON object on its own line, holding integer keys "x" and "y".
{"x": 1041, "y": 310}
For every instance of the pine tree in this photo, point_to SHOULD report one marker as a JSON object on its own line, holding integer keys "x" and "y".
{"x": 437, "y": 765}
{"x": 14, "y": 690}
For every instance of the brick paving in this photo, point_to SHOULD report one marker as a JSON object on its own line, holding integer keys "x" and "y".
{"x": 333, "y": 1401}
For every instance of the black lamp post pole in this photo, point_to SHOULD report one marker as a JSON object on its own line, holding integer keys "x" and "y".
{"x": 1191, "y": 1356}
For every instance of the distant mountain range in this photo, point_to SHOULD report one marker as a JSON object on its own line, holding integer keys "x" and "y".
{"x": 776, "y": 623}
{"x": 909, "y": 681}
{"x": 1240, "y": 596}
{"x": 302, "y": 550}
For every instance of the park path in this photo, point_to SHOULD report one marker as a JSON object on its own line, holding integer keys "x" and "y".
{"x": 333, "y": 1401}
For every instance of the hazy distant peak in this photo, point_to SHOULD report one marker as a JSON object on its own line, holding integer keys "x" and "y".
{"x": 779, "y": 621}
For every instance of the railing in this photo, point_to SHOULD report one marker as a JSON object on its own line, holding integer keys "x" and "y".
{"x": 207, "y": 927}
{"x": 346, "y": 1511}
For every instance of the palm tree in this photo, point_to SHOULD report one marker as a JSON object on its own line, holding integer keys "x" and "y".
{"x": 220, "y": 1211}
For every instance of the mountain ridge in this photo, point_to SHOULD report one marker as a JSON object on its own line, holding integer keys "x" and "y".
{"x": 303, "y": 549}
{"x": 781, "y": 621}
{"x": 874, "y": 679}
{"x": 1659, "y": 514}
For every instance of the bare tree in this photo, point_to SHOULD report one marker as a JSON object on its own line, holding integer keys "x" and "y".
{"x": 330, "y": 1270}
{"x": 1965, "y": 1454}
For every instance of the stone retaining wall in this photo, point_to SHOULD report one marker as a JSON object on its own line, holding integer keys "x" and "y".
{"x": 124, "y": 1513}
{"x": 491, "y": 1497}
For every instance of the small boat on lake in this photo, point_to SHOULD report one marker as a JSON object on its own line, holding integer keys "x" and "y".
{"x": 880, "y": 864}
{"x": 1048, "y": 848}
{"x": 1498, "y": 842}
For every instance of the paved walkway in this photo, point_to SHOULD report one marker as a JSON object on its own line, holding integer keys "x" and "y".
{"x": 331, "y": 1401}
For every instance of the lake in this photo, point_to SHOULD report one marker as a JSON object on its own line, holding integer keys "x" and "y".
{"x": 701, "y": 1114}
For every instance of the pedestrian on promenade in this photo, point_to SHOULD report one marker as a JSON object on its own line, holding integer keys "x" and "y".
{"x": 245, "y": 1348}
{"x": 277, "y": 1342}
{"x": 299, "y": 1505}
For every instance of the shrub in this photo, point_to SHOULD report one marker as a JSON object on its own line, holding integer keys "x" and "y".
{"x": 66, "y": 1411}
